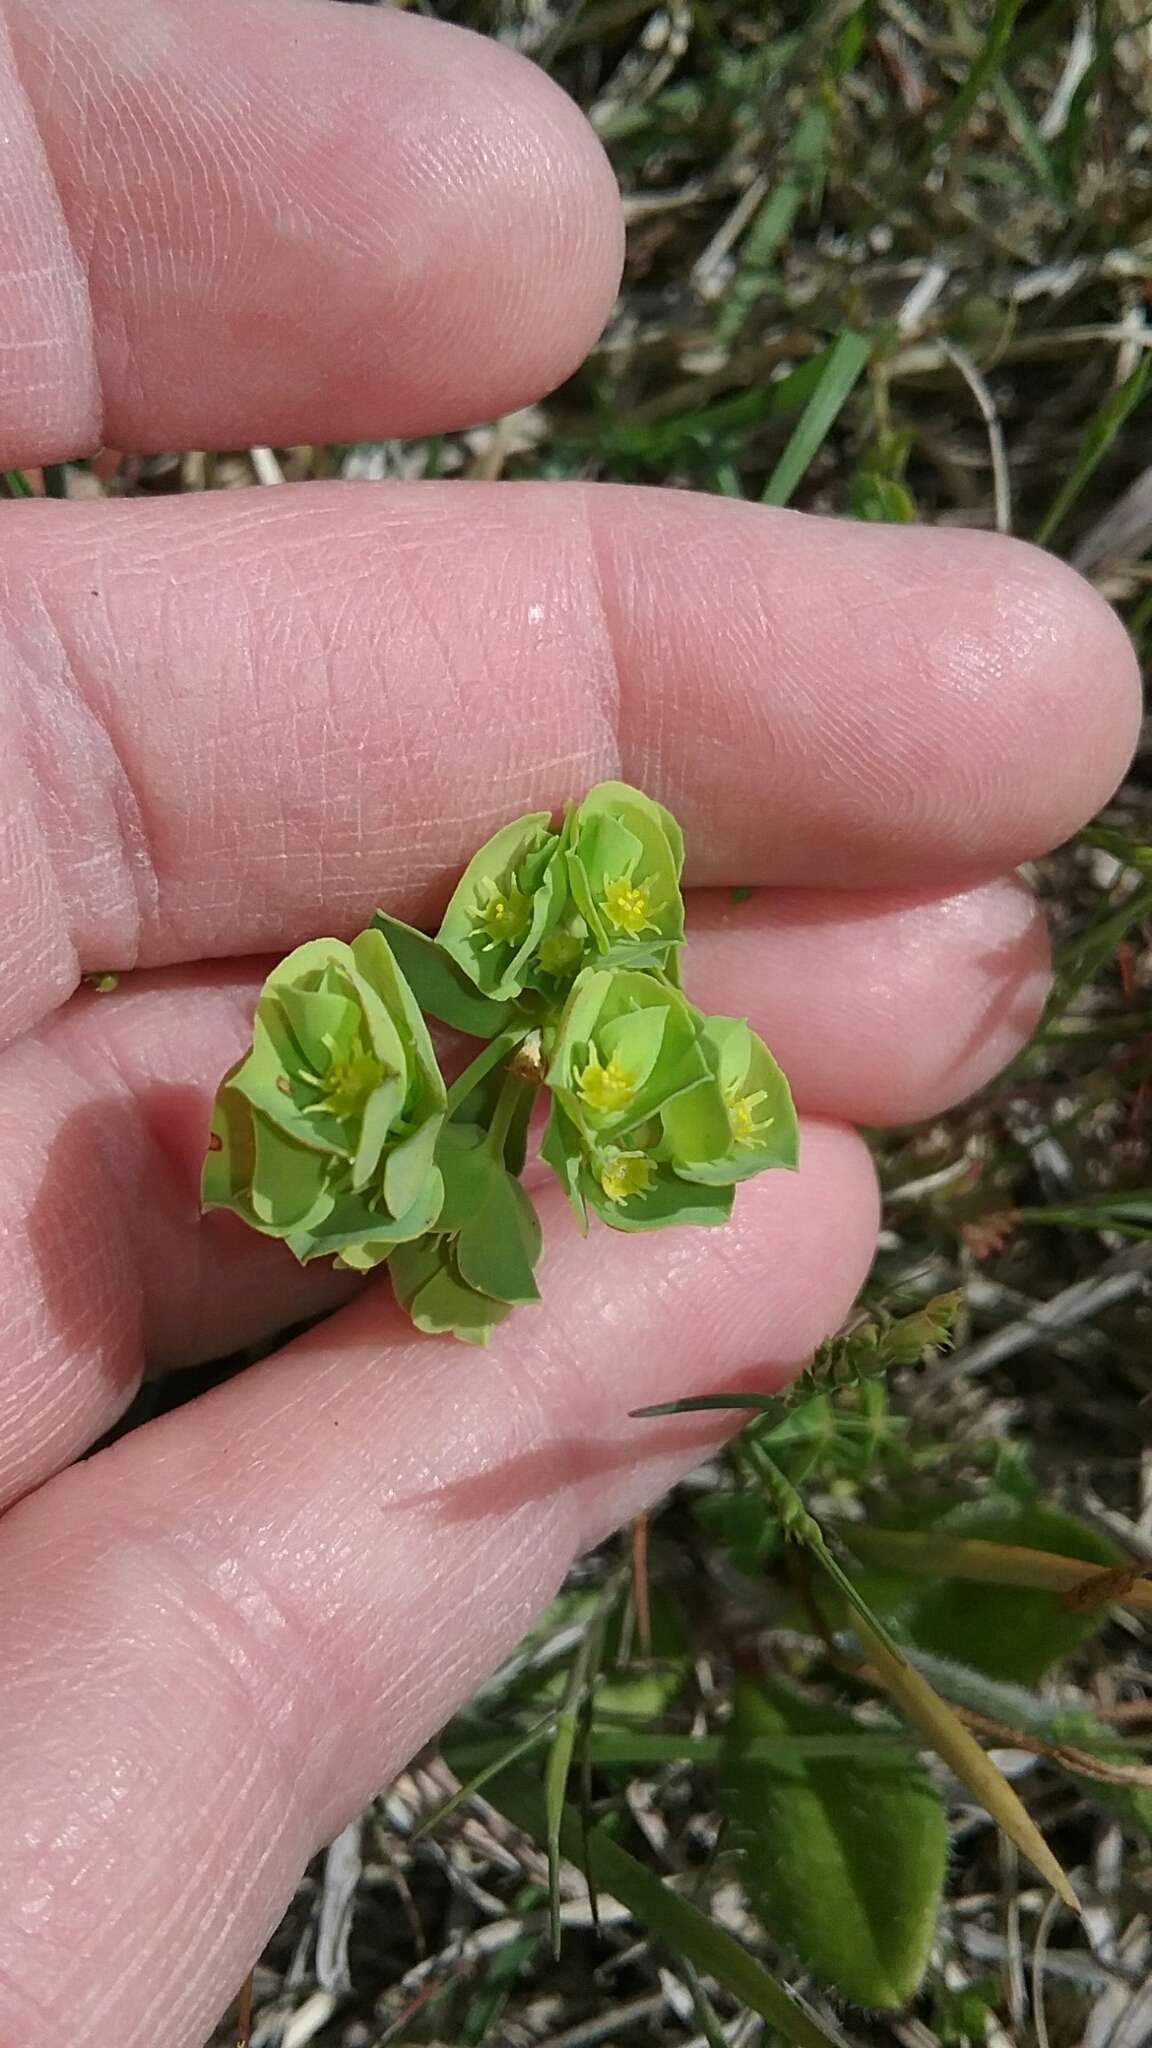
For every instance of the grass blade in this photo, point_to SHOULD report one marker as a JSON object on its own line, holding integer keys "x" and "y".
{"x": 1098, "y": 438}
{"x": 957, "y": 1746}
{"x": 694, "y": 1404}
{"x": 986, "y": 66}
{"x": 621, "y": 1747}
{"x": 682, "y": 1927}
{"x": 502, "y": 1756}
{"x": 707, "y": 2018}
{"x": 1130, "y": 1215}
{"x": 571, "y": 1721}
{"x": 845, "y": 365}
{"x": 1091, "y": 950}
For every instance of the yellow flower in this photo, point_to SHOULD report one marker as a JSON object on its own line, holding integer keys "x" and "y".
{"x": 504, "y": 919}
{"x": 347, "y": 1084}
{"x": 606, "y": 1089}
{"x": 625, "y": 1173}
{"x": 627, "y": 906}
{"x": 742, "y": 1116}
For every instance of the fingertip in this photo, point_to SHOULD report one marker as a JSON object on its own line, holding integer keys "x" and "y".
{"x": 1060, "y": 710}
{"x": 883, "y": 1007}
{"x": 568, "y": 220}
{"x": 300, "y": 221}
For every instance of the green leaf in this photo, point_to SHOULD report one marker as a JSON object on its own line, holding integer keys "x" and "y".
{"x": 634, "y": 1688}
{"x": 1079, "y": 961}
{"x": 467, "y": 1167}
{"x": 364, "y": 1241}
{"x": 440, "y": 987}
{"x": 882, "y": 499}
{"x": 743, "y": 1524}
{"x": 681, "y": 1926}
{"x": 409, "y": 1168}
{"x": 231, "y": 1157}
{"x": 499, "y": 1245}
{"x": 845, "y": 364}
{"x": 844, "y": 1860}
{"x": 1130, "y": 1214}
{"x": 1132, "y": 1803}
{"x": 928, "y": 1553}
{"x": 289, "y": 1182}
{"x": 428, "y": 1285}
{"x": 561, "y": 1149}
{"x": 669, "y": 1203}
{"x": 694, "y": 1404}
{"x": 1008, "y": 1632}
{"x": 624, "y": 1749}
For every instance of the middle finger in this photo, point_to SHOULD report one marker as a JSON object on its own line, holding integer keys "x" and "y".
{"x": 880, "y": 1008}
{"x": 228, "y": 723}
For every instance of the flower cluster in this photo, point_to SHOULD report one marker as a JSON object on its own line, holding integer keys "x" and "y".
{"x": 560, "y": 950}
{"x": 325, "y": 1133}
{"x": 534, "y": 906}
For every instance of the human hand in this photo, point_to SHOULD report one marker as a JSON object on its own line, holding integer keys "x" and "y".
{"x": 221, "y": 722}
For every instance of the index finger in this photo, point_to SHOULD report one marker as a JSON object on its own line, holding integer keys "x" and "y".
{"x": 232, "y": 722}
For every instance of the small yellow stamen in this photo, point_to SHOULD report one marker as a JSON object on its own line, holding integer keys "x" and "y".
{"x": 746, "y": 1129}
{"x": 606, "y": 1089}
{"x": 504, "y": 919}
{"x": 627, "y": 906}
{"x": 347, "y": 1084}
{"x": 626, "y": 1173}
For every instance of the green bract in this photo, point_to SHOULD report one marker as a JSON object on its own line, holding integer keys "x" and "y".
{"x": 760, "y": 1119}
{"x": 509, "y": 895}
{"x": 430, "y": 1288}
{"x": 628, "y": 1049}
{"x": 624, "y": 858}
{"x": 324, "y": 1134}
{"x": 559, "y": 952}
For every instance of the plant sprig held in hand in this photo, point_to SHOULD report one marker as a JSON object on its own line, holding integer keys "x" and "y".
{"x": 560, "y": 951}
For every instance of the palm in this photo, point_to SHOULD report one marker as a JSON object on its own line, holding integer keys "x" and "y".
{"x": 232, "y": 723}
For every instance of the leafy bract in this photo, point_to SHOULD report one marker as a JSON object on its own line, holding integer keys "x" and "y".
{"x": 324, "y": 1134}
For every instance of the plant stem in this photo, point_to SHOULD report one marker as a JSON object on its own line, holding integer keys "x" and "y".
{"x": 496, "y": 1050}
{"x": 507, "y": 1103}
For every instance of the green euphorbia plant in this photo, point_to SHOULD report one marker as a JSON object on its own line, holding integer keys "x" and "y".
{"x": 559, "y": 950}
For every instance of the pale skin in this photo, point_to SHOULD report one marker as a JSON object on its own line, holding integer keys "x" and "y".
{"x": 234, "y": 722}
